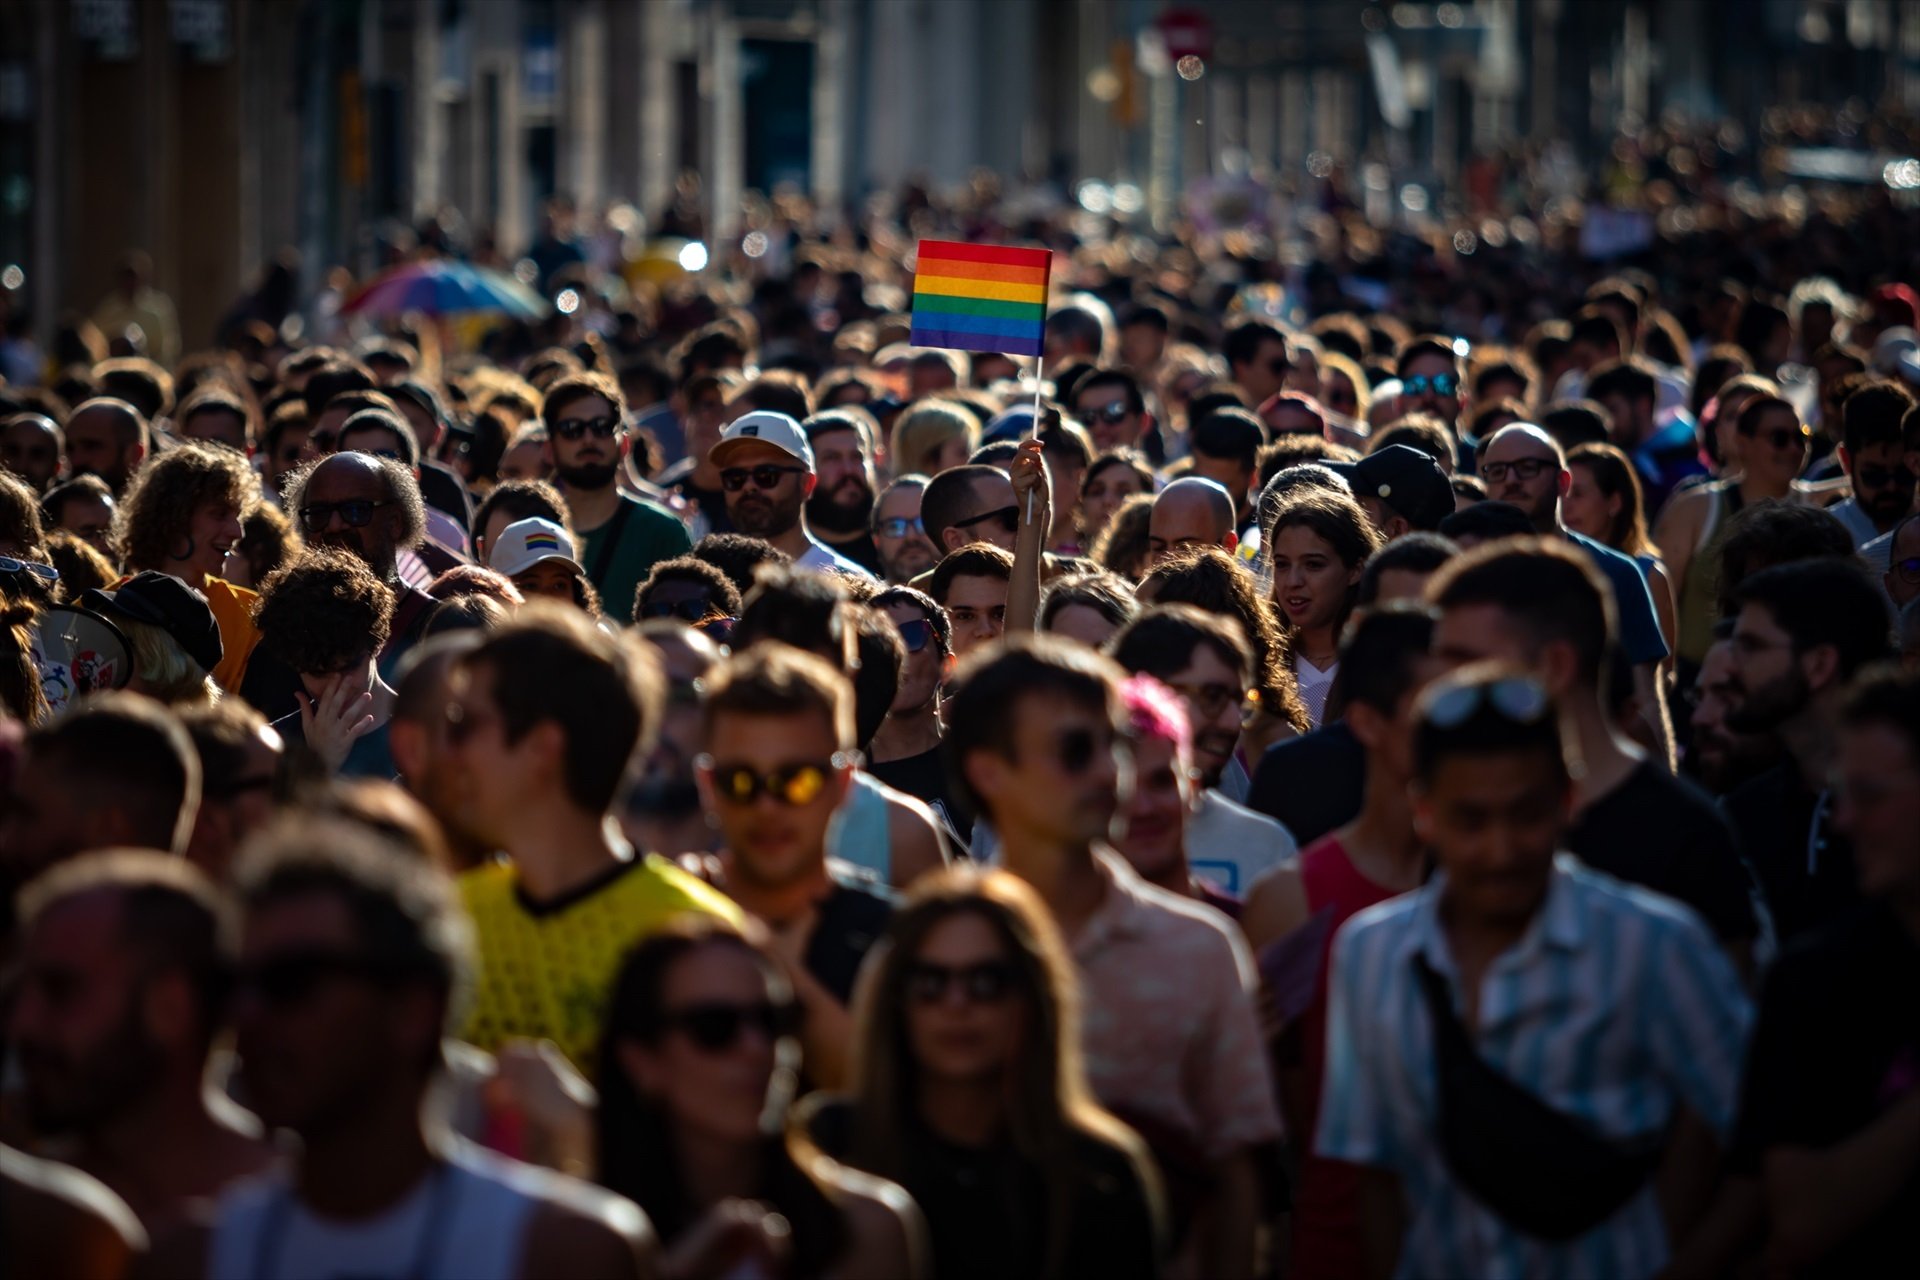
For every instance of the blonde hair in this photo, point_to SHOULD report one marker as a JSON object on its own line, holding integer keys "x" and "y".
{"x": 1355, "y": 375}
{"x": 166, "y": 673}
{"x": 924, "y": 430}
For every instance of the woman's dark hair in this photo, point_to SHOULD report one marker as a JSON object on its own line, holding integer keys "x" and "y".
{"x": 1211, "y": 579}
{"x": 635, "y": 1136}
{"x": 1104, "y": 593}
{"x": 1614, "y": 476}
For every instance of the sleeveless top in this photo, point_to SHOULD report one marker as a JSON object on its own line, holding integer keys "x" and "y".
{"x": 466, "y": 1220}
{"x": 1326, "y": 1224}
{"x": 860, "y": 831}
{"x": 1699, "y": 605}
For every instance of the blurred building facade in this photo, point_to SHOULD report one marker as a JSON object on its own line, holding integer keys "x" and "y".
{"x": 214, "y": 132}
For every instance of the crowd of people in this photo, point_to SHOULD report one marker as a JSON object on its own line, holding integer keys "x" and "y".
{"x": 709, "y": 789}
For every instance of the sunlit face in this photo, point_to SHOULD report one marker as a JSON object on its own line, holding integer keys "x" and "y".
{"x": 1521, "y": 469}
{"x": 906, "y": 553}
{"x": 1310, "y": 582}
{"x": 1214, "y": 692}
{"x": 212, "y": 532}
{"x": 1773, "y": 447}
{"x": 773, "y": 843}
{"x": 1430, "y": 365}
{"x": 965, "y": 1018}
{"x": 1151, "y": 833}
{"x": 552, "y": 579}
{"x": 1587, "y": 509}
{"x": 525, "y": 461}
{"x": 1108, "y": 415}
{"x": 1337, "y": 392}
{"x": 977, "y": 607}
{"x": 845, "y": 470}
{"x": 1088, "y": 625}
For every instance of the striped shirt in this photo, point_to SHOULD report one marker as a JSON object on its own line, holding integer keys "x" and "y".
{"x": 1614, "y": 1007}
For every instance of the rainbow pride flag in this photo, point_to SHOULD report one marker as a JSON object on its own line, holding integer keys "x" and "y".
{"x": 980, "y": 297}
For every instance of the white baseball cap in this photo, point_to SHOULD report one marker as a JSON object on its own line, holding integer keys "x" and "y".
{"x": 763, "y": 426}
{"x": 526, "y": 543}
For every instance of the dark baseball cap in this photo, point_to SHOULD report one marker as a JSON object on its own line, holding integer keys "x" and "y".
{"x": 1405, "y": 479}
{"x": 163, "y": 601}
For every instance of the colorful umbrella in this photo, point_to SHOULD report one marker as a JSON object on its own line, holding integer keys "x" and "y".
{"x": 442, "y": 287}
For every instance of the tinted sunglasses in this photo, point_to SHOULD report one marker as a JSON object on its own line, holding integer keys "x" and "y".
{"x": 915, "y": 634}
{"x": 292, "y": 977}
{"x": 1514, "y": 699}
{"x": 1781, "y": 438}
{"x": 602, "y": 428}
{"x": 1279, "y": 366}
{"x": 1009, "y": 517}
{"x": 693, "y": 609}
{"x": 899, "y": 527}
{"x": 1521, "y": 468}
{"x": 1075, "y": 750}
{"x": 355, "y": 513}
{"x": 987, "y": 983}
{"x": 734, "y": 479}
{"x": 1110, "y": 414}
{"x": 44, "y": 572}
{"x": 1440, "y": 384}
{"x": 1882, "y": 477}
{"x": 716, "y": 1025}
{"x": 1909, "y": 569}
{"x": 794, "y": 785}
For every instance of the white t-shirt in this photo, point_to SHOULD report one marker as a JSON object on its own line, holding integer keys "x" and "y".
{"x": 1232, "y": 845}
{"x": 1314, "y": 684}
{"x": 820, "y": 557}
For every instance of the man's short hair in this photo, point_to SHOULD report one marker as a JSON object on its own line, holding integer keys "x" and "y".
{"x": 936, "y": 616}
{"x": 1427, "y": 344}
{"x": 1420, "y": 431}
{"x": 1417, "y": 552}
{"x": 1548, "y": 590}
{"x": 1379, "y": 654}
{"x": 553, "y": 664}
{"x": 796, "y": 607}
{"x": 1106, "y": 594}
{"x": 1597, "y": 328}
{"x": 406, "y": 443}
{"x": 983, "y": 706}
{"x": 739, "y": 556}
{"x": 1233, "y": 434}
{"x": 1160, "y": 642}
{"x": 1828, "y": 601}
{"x": 216, "y": 397}
{"x": 725, "y": 596}
{"x": 1873, "y": 416}
{"x": 1573, "y": 423}
{"x": 139, "y": 381}
{"x": 1488, "y": 521}
{"x": 336, "y": 377}
{"x": 948, "y": 497}
{"x": 775, "y": 391}
{"x": 774, "y": 679}
{"x": 406, "y": 912}
{"x": 975, "y": 560}
{"x": 130, "y": 752}
{"x": 323, "y": 613}
{"x": 578, "y": 386}
{"x": 222, "y": 733}
{"x": 1630, "y": 378}
{"x": 171, "y": 917}
{"x": 523, "y": 500}
{"x": 847, "y": 417}
{"x": 1888, "y": 697}
{"x": 1108, "y": 376}
{"x": 1296, "y": 448}
{"x": 1244, "y": 340}
{"x": 1771, "y": 532}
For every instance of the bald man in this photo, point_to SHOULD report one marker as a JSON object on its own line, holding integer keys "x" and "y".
{"x": 107, "y": 438}
{"x": 1191, "y": 512}
{"x": 1526, "y": 467}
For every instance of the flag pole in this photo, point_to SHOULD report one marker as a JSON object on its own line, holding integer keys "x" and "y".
{"x": 1033, "y": 431}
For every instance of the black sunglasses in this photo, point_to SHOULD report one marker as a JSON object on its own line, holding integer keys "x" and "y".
{"x": 355, "y": 513}
{"x": 986, "y": 983}
{"x": 1076, "y": 749}
{"x": 693, "y": 609}
{"x": 734, "y": 479}
{"x": 1523, "y": 468}
{"x": 1881, "y": 477}
{"x": 1110, "y": 414}
{"x": 794, "y": 785}
{"x": 1781, "y": 438}
{"x": 915, "y": 634}
{"x": 573, "y": 429}
{"x": 292, "y": 977}
{"x": 1009, "y": 517}
{"x": 716, "y": 1025}
{"x": 899, "y": 527}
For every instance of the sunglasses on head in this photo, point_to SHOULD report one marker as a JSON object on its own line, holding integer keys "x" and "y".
{"x": 1515, "y": 699}
{"x": 575, "y": 428}
{"x": 1009, "y": 518}
{"x": 44, "y": 572}
{"x": 1440, "y": 384}
{"x": 714, "y": 1025}
{"x": 355, "y": 513}
{"x": 915, "y": 634}
{"x": 793, "y": 785}
{"x": 1111, "y": 414}
{"x": 1519, "y": 468}
{"x": 899, "y": 527}
{"x": 292, "y": 977}
{"x": 692, "y": 609}
{"x": 986, "y": 983}
{"x": 766, "y": 476}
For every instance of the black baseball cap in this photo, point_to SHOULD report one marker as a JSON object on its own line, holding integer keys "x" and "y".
{"x": 1407, "y": 480}
{"x": 163, "y": 601}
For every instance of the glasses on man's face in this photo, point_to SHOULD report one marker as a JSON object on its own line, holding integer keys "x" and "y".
{"x": 1075, "y": 750}
{"x": 989, "y": 982}
{"x": 1909, "y": 570}
{"x": 571, "y": 429}
{"x": 900, "y": 527}
{"x": 1009, "y": 518}
{"x": 1781, "y": 439}
{"x": 734, "y": 479}
{"x": 692, "y": 609}
{"x": 915, "y": 634}
{"x": 1279, "y": 367}
{"x": 1209, "y": 699}
{"x": 1112, "y": 414}
{"x": 716, "y": 1025}
{"x": 1439, "y": 384}
{"x": 1874, "y": 477}
{"x": 355, "y": 513}
{"x": 1519, "y": 468}
{"x": 793, "y": 785}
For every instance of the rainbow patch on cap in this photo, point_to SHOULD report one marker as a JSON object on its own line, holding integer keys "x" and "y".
{"x": 542, "y": 542}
